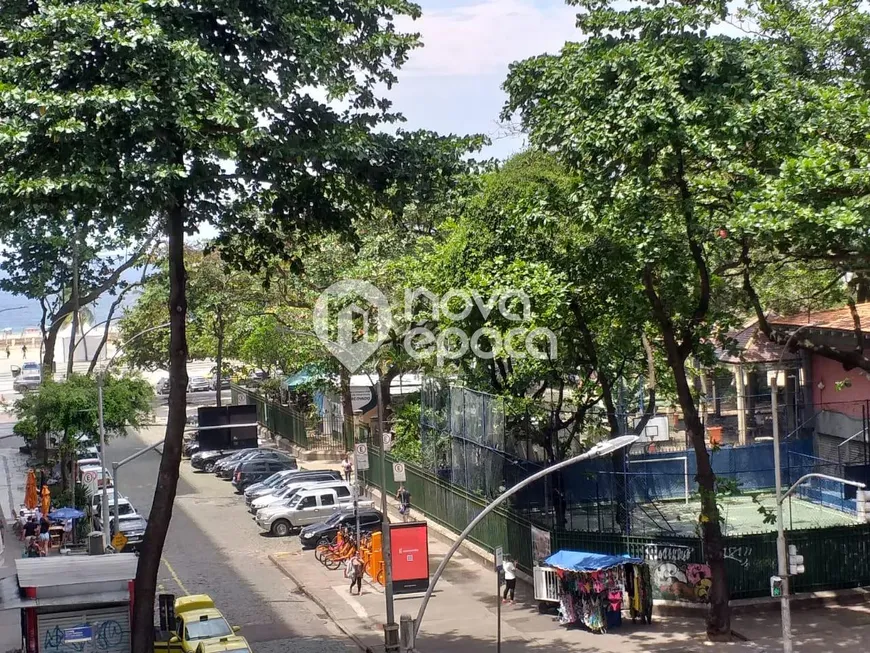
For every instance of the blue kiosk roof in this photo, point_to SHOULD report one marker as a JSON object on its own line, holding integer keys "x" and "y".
{"x": 583, "y": 561}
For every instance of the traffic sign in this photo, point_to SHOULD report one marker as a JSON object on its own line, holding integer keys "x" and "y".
{"x": 119, "y": 541}
{"x": 89, "y": 477}
{"x": 399, "y": 472}
{"x": 387, "y": 439}
{"x": 361, "y": 453}
{"x": 499, "y": 558}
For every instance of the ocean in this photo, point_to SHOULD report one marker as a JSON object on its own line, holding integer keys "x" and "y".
{"x": 18, "y": 313}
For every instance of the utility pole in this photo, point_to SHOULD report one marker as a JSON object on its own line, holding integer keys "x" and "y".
{"x": 356, "y": 485}
{"x": 105, "y": 498}
{"x": 391, "y": 628}
{"x": 781, "y": 560}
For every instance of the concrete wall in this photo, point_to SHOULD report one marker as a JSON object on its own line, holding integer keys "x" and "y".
{"x": 847, "y": 400}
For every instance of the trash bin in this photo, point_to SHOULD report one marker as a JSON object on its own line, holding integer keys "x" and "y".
{"x": 95, "y": 543}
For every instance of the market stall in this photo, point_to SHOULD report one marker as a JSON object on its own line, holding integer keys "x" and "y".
{"x": 594, "y": 588}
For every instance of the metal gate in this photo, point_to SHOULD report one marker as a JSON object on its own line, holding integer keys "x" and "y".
{"x": 101, "y": 630}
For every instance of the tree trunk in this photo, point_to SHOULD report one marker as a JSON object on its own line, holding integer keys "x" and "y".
{"x": 219, "y": 359}
{"x": 48, "y": 352}
{"x": 167, "y": 477}
{"x": 346, "y": 397}
{"x": 386, "y": 381}
{"x": 719, "y": 617}
{"x": 71, "y": 351}
{"x": 74, "y": 326}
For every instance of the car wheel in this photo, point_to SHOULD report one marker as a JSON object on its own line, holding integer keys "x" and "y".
{"x": 208, "y": 468}
{"x": 281, "y": 528}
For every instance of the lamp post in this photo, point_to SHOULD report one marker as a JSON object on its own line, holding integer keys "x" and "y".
{"x": 781, "y": 552}
{"x": 100, "y": 381}
{"x": 600, "y": 449}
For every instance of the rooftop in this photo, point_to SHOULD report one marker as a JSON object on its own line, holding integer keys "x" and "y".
{"x": 838, "y": 319}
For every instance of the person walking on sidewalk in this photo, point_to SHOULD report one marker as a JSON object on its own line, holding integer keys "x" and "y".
{"x": 354, "y": 570}
{"x": 24, "y": 350}
{"x": 347, "y": 466}
{"x": 510, "y": 580}
{"x": 404, "y": 498}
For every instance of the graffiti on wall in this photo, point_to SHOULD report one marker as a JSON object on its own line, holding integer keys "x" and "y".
{"x": 676, "y": 577}
{"x": 105, "y": 636}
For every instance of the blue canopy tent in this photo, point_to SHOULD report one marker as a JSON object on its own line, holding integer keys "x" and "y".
{"x": 582, "y": 561}
{"x": 62, "y": 514}
{"x": 592, "y": 588}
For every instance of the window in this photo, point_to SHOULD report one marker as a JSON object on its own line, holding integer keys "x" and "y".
{"x": 327, "y": 500}
{"x": 342, "y": 491}
{"x": 371, "y": 519}
{"x": 207, "y": 628}
{"x": 256, "y": 468}
{"x": 308, "y": 502}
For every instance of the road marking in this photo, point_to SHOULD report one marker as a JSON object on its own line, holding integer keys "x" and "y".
{"x": 341, "y": 590}
{"x": 175, "y": 576}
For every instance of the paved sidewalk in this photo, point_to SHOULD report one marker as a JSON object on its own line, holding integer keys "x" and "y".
{"x": 461, "y": 616}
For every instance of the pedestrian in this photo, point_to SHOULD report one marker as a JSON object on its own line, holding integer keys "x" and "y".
{"x": 44, "y": 536}
{"x": 347, "y": 466}
{"x": 30, "y": 529}
{"x": 510, "y": 579}
{"x": 8, "y": 351}
{"x": 67, "y": 532}
{"x": 354, "y": 570}
{"x": 24, "y": 350}
{"x": 404, "y": 498}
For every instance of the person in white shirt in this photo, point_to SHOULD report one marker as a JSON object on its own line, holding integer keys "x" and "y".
{"x": 510, "y": 579}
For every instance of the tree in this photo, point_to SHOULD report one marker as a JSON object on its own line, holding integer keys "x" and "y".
{"x": 64, "y": 414}
{"x": 145, "y": 106}
{"x": 669, "y": 128}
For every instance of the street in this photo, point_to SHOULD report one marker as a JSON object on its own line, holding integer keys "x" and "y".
{"x": 214, "y": 547}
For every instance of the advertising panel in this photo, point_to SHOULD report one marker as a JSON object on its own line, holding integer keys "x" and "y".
{"x": 409, "y": 545}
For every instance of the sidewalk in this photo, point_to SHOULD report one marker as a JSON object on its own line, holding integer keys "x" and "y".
{"x": 461, "y": 616}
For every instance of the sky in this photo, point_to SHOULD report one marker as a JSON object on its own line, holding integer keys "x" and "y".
{"x": 453, "y": 83}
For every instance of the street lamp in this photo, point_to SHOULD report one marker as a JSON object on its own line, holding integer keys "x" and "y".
{"x": 599, "y": 450}
{"x": 100, "y": 380}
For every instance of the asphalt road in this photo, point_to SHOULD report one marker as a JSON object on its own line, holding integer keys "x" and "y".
{"x": 214, "y": 547}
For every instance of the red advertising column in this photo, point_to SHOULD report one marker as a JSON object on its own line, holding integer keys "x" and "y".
{"x": 409, "y": 544}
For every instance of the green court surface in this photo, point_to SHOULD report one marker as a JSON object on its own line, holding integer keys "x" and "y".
{"x": 740, "y": 514}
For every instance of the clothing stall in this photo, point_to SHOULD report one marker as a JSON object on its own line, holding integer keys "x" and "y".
{"x": 594, "y": 589}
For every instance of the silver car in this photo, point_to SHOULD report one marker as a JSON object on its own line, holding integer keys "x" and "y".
{"x": 304, "y": 508}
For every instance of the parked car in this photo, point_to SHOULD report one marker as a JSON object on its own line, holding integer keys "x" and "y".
{"x": 226, "y": 466}
{"x": 280, "y": 479}
{"x": 229, "y": 471}
{"x": 288, "y": 490}
{"x": 96, "y": 500}
{"x": 124, "y": 508}
{"x": 369, "y": 522}
{"x": 232, "y": 459}
{"x": 308, "y": 506}
{"x": 27, "y": 377}
{"x": 206, "y": 460}
{"x": 198, "y": 384}
{"x": 254, "y": 471}
{"x": 225, "y": 382}
{"x": 133, "y": 526}
{"x": 162, "y": 386}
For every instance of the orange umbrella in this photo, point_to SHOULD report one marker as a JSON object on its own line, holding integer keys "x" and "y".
{"x": 31, "y": 498}
{"x": 46, "y": 500}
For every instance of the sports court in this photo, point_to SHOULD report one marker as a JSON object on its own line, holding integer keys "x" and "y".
{"x": 740, "y": 514}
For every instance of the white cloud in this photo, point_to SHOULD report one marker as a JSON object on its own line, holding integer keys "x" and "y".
{"x": 483, "y": 38}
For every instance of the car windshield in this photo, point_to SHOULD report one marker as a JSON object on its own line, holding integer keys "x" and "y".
{"x": 274, "y": 479}
{"x": 206, "y": 629}
{"x": 337, "y": 517}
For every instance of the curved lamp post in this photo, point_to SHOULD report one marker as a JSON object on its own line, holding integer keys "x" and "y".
{"x": 599, "y": 450}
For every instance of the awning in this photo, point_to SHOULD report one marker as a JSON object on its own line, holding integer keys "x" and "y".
{"x": 583, "y": 561}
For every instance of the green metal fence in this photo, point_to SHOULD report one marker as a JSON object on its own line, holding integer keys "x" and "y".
{"x": 334, "y": 435}
{"x": 454, "y": 508}
{"x": 835, "y": 558}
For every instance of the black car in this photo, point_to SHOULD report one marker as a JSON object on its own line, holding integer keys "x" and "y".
{"x": 206, "y": 460}
{"x": 229, "y": 471}
{"x": 232, "y": 460}
{"x": 311, "y": 536}
{"x": 254, "y": 471}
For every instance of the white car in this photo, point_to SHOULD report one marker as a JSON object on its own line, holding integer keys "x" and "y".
{"x": 290, "y": 489}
